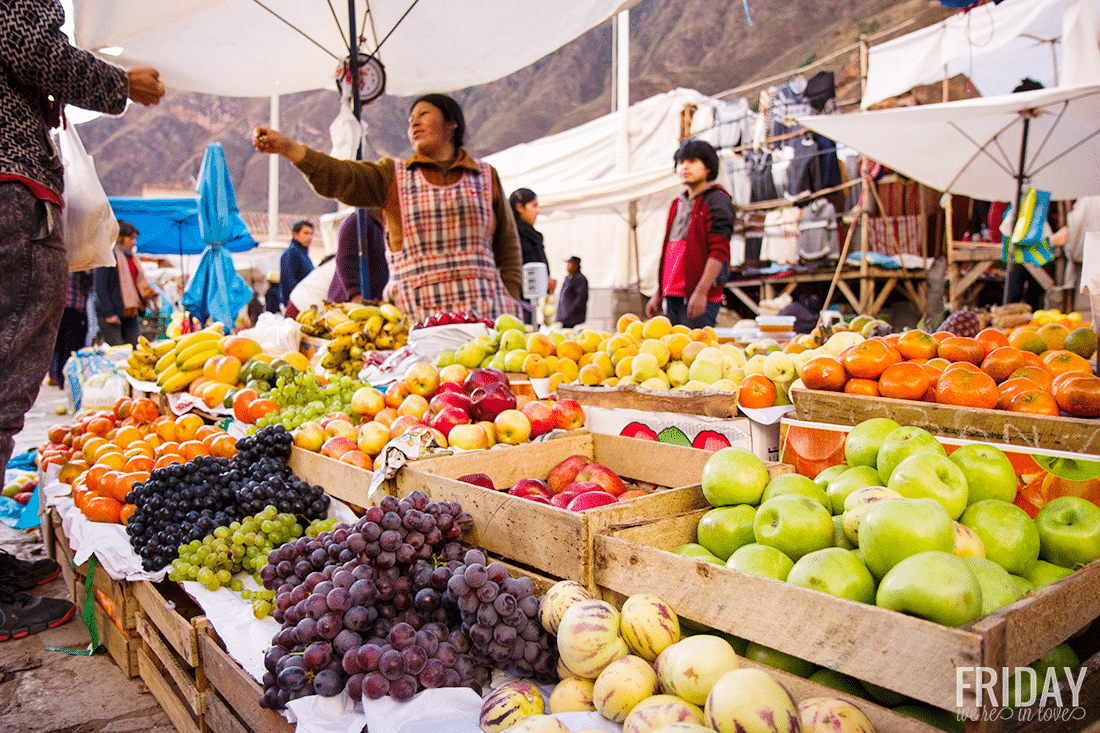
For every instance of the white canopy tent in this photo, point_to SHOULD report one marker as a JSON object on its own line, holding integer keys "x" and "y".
{"x": 1056, "y": 42}
{"x": 243, "y": 48}
{"x": 587, "y": 206}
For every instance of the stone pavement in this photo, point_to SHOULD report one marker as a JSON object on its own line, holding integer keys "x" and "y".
{"x": 65, "y": 694}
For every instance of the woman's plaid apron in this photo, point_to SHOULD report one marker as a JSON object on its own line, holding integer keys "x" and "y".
{"x": 446, "y": 263}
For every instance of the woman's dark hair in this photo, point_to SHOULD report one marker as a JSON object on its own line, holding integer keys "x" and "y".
{"x": 521, "y": 197}
{"x": 126, "y": 229}
{"x": 451, "y": 113}
{"x": 698, "y": 150}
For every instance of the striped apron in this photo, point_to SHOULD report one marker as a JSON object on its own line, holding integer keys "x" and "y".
{"x": 446, "y": 263}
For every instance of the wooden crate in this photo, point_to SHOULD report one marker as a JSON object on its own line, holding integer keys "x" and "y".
{"x": 1080, "y": 435}
{"x": 233, "y": 696}
{"x": 713, "y": 404}
{"x": 912, "y": 656}
{"x": 169, "y": 624}
{"x": 340, "y": 480}
{"x": 545, "y": 538}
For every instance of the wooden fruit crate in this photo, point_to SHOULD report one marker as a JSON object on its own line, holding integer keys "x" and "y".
{"x": 713, "y": 404}
{"x": 1081, "y": 435}
{"x": 340, "y": 480}
{"x": 545, "y": 538}
{"x": 169, "y": 624}
{"x": 906, "y": 654}
{"x": 232, "y": 695}
{"x": 113, "y": 601}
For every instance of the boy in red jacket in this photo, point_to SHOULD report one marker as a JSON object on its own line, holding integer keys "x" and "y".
{"x": 697, "y": 241}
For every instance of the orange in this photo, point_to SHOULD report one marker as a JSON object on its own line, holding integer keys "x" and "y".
{"x": 1078, "y": 394}
{"x": 167, "y": 460}
{"x": 171, "y": 447}
{"x": 1012, "y": 387}
{"x": 114, "y": 461}
{"x": 869, "y": 359}
{"x": 223, "y": 446}
{"x": 127, "y": 435}
{"x": 904, "y": 381}
{"x": 917, "y": 344}
{"x": 1032, "y": 359}
{"x": 165, "y": 427}
{"x": 1040, "y": 375}
{"x": 942, "y": 336}
{"x": 103, "y": 509}
{"x": 125, "y": 513}
{"x": 259, "y": 408}
{"x": 138, "y": 463}
{"x": 241, "y": 400}
{"x": 992, "y": 339}
{"x": 94, "y": 475}
{"x": 967, "y": 388}
{"x": 1060, "y": 362}
{"x": 824, "y": 372}
{"x": 1035, "y": 402}
{"x": 192, "y": 449}
{"x": 756, "y": 391}
{"x": 206, "y": 430}
{"x": 962, "y": 348}
{"x": 1002, "y": 361}
{"x": 860, "y": 386}
{"x": 187, "y": 426}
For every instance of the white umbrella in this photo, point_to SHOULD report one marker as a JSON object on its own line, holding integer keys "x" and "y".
{"x": 261, "y": 48}
{"x": 988, "y": 148}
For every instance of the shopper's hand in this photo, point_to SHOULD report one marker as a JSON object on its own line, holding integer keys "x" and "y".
{"x": 551, "y": 284}
{"x": 697, "y": 305}
{"x": 112, "y": 320}
{"x": 145, "y": 86}
{"x": 266, "y": 140}
{"x": 653, "y": 307}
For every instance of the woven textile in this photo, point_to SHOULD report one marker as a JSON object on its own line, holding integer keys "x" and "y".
{"x": 893, "y": 235}
{"x": 446, "y": 262}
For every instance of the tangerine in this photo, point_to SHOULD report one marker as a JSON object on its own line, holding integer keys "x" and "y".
{"x": 904, "y": 381}
{"x": 1026, "y": 338}
{"x": 1078, "y": 394}
{"x": 1040, "y": 375}
{"x": 1034, "y": 402}
{"x": 917, "y": 344}
{"x": 103, "y": 509}
{"x": 992, "y": 339}
{"x": 1061, "y": 361}
{"x": 241, "y": 400}
{"x": 1012, "y": 387}
{"x": 967, "y": 388}
{"x": 125, "y": 513}
{"x": 824, "y": 372}
{"x": 1002, "y": 361}
{"x": 868, "y": 359}
{"x": 860, "y": 386}
{"x": 962, "y": 348}
{"x": 757, "y": 391}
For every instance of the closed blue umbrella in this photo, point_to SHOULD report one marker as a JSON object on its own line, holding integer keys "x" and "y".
{"x": 216, "y": 290}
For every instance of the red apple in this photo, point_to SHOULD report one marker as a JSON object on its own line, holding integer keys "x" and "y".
{"x": 538, "y": 499}
{"x": 529, "y": 486}
{"x": 490, "y": 400}
{"x": 512, "y": 427}
{"x": 422, "y": 379}
{"x": 367, "y": 401}
{"x": 402, "y": 424}
{"x": 562, "y": 500}
{"x": 396, "y": 394}
{"x": 449, "y": 387}
{"x": 603, "y": 476}
{"x": 565, "y": 472}
{"x": 309, "y": 436}
{"x": 340, "y": 426}
{"x": 542, "y": 419}
{"x": 482, "y": 376}
{"x": 468, "y": 437}
{"x": 478, "y": 479}
{"x": 449, "y": 399}
{"x": 448, "y": 418}
{"x": 337, "y": 446}
{"x": 373, "y": 437}
{"x": 357, "y": 458}
{"x": 568, "y": 414}
{"x": 582, "y": 487}
{"x": 24, "y": 496}
{"x": 591, "y": 500}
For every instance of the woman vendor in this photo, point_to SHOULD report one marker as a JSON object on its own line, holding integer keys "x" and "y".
{"x": 452, "y": 242}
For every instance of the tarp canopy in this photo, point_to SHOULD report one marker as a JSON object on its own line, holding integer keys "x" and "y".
{"x": 972, "y": 147}
{"x": 244, "y": 48}
{"x": 1056, "y": 42}
{"x": 586, "y": 204}
{"x": 171, "y": 226}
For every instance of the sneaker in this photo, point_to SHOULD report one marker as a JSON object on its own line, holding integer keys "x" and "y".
{"x": 19, "y": 574}
{"x": 22, "y": 614}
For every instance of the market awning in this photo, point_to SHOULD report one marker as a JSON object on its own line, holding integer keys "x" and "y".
{"x": 171, "y": 226}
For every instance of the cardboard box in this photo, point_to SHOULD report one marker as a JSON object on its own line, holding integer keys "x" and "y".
{"x": 557, "y": 541}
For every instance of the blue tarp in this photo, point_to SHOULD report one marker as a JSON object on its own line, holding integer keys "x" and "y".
{"x": 171, "y": 226}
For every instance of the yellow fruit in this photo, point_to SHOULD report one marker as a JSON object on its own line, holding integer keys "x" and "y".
{"x": 1081, "y": 341}
{"x": 1055, "y": 335}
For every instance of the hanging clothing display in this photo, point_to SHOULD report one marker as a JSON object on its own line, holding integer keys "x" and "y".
{"x": 820, "y": 88}
{"x": 780, "y": 244}
{"x": 760, "y": 175}
{"x": 804, "y": 172}
{"x": 817, "y": 233}
{"x": 781, "y": 162}
{"x": 740, "y": 180}
{"x": 788, "y": 101}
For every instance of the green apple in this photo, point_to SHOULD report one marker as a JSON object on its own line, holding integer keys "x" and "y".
{"x": 793, "y": 483}
{"x": 734, "y": 476}
{"x": 989, "y": 474}
{"x": 779, "y": 660}
{"x": 854, "y": 478}
{"x": 836, "y": 572}
{"x": 1025, "y": 585}
{"x": 470, "y": 355}
{"x": 883, "y": 695}
{"x": 856, "y": 503}
{"x": 932, "y": 585}
{"x": 839, "y": 538}
{"x": 838, "y": 681}
{"x": 1059, "y": 658}
{"x": 796, "y": 525}
{"x": 767, "y": 562}
{"x": 931, "y": 476}
{"x": 1008, "y": 534}
{"x": 942, "y": 719}
{"x": 967, "y": 542}
{"x": 896, "y": 529}
{"x": 697, "y": 552}
{"x": 726, "y": 529}
{"x": 830, "y": 473}
{"x": 902, "y": 443}
{"x": 1069, "y": 531}
{"x": 1044, "y": 573}
{"x": 507, "y": 322}
{"x": 862, "y": 444}
{"x": 998, "y": 587}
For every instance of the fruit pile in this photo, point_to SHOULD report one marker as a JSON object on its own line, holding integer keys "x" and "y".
{"x": 468, "y": 410}
{"x": 294, "y": 399}
{"x": 355, "y": 330}
{"x": 182, "y": 503}
{"x": 899, "y": 512}
{"x": 452, "y": 319}
{"x": 576, "y": 483}
{"x": 393, "y": 604}
{"x": 634, "y": 669}
{"x": 1029, "y": 370}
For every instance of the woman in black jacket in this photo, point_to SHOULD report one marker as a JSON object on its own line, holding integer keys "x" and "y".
{"x": 525, "y": 206}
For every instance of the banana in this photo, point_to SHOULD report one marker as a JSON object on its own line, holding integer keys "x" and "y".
{"x": 384, "y": 342}
{"x": 334, "y": 318}
{"x": 332, "y": 360}
{"x": 180, "y": 380}
{"x": 164, "y": 347}
{"x": 185, "y": 342}
{"x": 309, "y": 316}
{"x": 390, "y": 312}
{"x": 347, "y": 328}
{"x": 373, "y": 327}
{"x": 167, "y": 374}
{"x": 197, "y": 360}
{"x": 143, "y": 343}
{"x": 340, "y": 345}
{"x": 169, "y": 359}
{"x": 364, "y": 312}
{"x": 202, "y": 347}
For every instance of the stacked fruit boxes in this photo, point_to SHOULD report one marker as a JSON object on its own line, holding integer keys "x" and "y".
{"x": 170, "y": 624}
{"x": 232, "y": 696}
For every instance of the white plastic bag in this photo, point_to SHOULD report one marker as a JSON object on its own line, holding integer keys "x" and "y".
{"x": 275, "y": 334}
{"x": 88, "y": 224}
